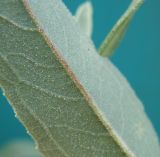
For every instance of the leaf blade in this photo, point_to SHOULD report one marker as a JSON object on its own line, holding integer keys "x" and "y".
{"x": 22, "y": 93}
{"x": 52, "y": 116}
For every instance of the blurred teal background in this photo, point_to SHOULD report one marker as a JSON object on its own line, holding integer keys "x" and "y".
{"x": 138, "y": 58}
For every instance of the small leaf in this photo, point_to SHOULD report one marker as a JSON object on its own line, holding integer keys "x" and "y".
{"x": 84, "y": 17}
{"x": 113, "y": 39}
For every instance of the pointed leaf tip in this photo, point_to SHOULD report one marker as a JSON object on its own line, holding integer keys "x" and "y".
{"x": 84, "y": 16}
{"x": 115, "y": 36}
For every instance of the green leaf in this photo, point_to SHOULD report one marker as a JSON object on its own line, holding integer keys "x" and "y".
{"x": 114, "y": 38}
{"x": 19, "y": 148}
{"x": 84, "y": 16}
{"x": 72, "y": 101}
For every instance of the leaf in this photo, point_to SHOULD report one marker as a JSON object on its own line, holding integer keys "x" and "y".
{"x": 19, "y": 148}
{"x": 84, "y": 16}
{"x": 71, "y": 106}
{"x": 113, "y": 39}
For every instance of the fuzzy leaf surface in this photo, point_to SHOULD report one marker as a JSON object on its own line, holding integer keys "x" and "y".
{"x": 72, "y": 101}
